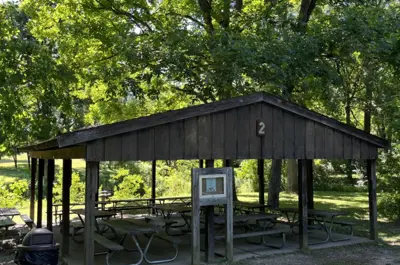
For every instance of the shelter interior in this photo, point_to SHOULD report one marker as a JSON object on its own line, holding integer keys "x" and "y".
{"x": 257, "y": 126}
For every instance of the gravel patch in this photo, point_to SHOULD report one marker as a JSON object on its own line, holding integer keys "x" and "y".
{"x": 366, "y": 254}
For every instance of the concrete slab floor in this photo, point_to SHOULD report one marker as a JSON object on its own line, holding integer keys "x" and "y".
{"x": 161, "y": 250}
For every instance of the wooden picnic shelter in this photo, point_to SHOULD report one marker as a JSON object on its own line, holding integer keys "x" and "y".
{"x": 228, "y": 130}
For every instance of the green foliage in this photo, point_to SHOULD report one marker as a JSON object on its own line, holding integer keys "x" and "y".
{"x": 129, "y": 186}
{"x": 13, "y": 194}
{"x": 77, "y": 190}
{"x": 389, "y": 205}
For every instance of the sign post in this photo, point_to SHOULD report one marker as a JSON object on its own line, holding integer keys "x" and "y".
{"x": 212, "y": 186}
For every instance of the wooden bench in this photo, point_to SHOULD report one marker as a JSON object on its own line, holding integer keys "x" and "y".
{"x": 111, "y": 246}
{"x": 261, "y": 234}
{"x": 28, "y": 221}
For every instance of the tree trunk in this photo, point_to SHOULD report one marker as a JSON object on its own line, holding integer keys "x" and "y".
{"x": 306, "y": 9}
{"x": 292, "y": 183}
{"x": 349, "y": 167}
{"x": 275, "y": 183}
{"x": 29, "y": 161}
{"x": 15, "y": 158}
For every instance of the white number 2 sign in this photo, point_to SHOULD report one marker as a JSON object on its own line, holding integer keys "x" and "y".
{"x": 260, "y": 128}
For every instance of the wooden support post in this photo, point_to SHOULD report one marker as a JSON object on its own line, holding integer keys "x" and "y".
{"x": 33, "y": 188}
{"x": 210, "y": 232}
{"x": 229, "y": 219}
{"x": 49, "y": 198}
{"x": 92, "y": 170}
{"x": 66, "y": 185}
{"x": 97, "y": 190}
{"x": 261, "y": 183}
{"x": 195, "y": 224}
{"x": 373, "y": 213}
{"x": 303, "y": 212}
{"x": 40, "y": 193}
{"x": 228, "y": 163}
{"x": 153, "y": 183}
{"x": 310, "y": 184}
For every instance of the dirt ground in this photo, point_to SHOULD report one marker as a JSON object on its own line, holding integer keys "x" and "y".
{"x": 366, "y": 254}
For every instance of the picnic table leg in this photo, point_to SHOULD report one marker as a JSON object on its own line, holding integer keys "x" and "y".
{"x": 146, "y": 249}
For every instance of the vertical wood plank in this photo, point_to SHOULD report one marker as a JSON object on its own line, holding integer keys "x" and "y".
{"x": 66, "y": 184}
{"x": 210, "y": 231}
{"x": 243, "y": 132}
{"x": 49, "y": 197}
{"x": 195, "y": 218}
{"x": 356, "y": 147}
{"x": 373, "y": 152}
{"x": 310, "y": 139}
{"x": 303, "y": 211}
{"x": 113, "y": 148}
{"x": 229, "y": 216}
{"x": 347, "y": 147}
{"x": 146, "y": 144}
{"x": 278, "y": 132}
{"x": 40, "y": 193}
{"x": 177, "y": 139}
{"x": 191, "y": 138}
{"x": 161, "y": 142}
{"x": 289, "y": 130}
{"x": 319, "y": 141}
{"x": 231, "y": 134}
{"x": 255, "y": 141}
{"x": 268, "y": 141}
{"x": 153, "y": 182}
{"x": 364, "y": 150}
{"x": 300, "y": 137}
{"x": 338, "y": 145}
{"x": 33, "y": 188}
{"x": 129, "y": 146}
{"x": 373, "y": 212}
{"x": 95, "y": 150}
{"x": 329, "y": 143}
{"x": 92, "y": 169}
{"x": 218, "y": 142}
{"x": 205, "y": 136}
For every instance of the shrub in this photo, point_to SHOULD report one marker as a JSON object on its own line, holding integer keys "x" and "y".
{"x": 389, "y": 205}
{"x": 13, "y": 194}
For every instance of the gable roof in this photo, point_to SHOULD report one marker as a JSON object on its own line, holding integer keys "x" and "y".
{"x": 94, "y": 133}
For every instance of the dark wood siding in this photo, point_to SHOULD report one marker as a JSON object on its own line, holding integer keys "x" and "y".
{"x": 177, "y": 140}
{"x": 191, "y": 139}
{"x": 129, "y": 146}
{"x": 161, "y": 142}
{"x": 218, "y": 139}
{"x": 243, "y": 132}
{"x": 112, "y": 148}
{"x": 231, "y": 134}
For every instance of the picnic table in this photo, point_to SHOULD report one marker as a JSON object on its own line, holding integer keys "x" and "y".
{"x": 254, "y": 230}
{"x": 168, "y": 210}
{"x": 58, "y": 212}
{"x": 321, "y": 219}
{"x": 248, "y": 207}
{"x": 6, "y": 223}
{"x": 128, "y": 227}
{"x": 9, "y": 212}
{"x": 97, "y": 215}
